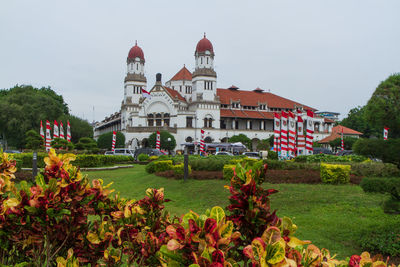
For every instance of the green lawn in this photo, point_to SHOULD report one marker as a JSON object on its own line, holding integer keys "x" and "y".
{"x": 331, "y": 216}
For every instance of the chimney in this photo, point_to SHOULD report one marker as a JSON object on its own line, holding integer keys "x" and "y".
{"x": 158, "y": 78}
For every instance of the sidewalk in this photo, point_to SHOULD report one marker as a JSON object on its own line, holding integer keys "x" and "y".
{"x": 95, "y": 169}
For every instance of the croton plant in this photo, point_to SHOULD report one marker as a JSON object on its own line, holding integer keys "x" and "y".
{"x": 63, "y": 219}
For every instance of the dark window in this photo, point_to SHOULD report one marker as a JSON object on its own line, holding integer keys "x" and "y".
{"x": 150, "y": 122}
{"x": 222, "y": 124}
{"x": 251, "y": 125}
{"x": 205, "y": 122}
{"x": 236, "y": 124}
{"x": 189, "y": 122}
{"x": 166, "y": 122}
{"x": 210, "y": 122}
{"x": 207, "y": 60}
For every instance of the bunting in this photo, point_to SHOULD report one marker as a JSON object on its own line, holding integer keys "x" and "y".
{"x": 202, "y": 142}
{"x": 292, "y": 134}
{"x": 310, "y": 132}
{"x": 385, "y": 133}
{"x": 41, "y": 130}
{"x": 114, "y": 139}
{"x": 277, "y": 131}
{"x": 68, "y": 132}
{"x": 55, "y": 131}
{"x": 301, "y": 140}
{"x": 284, "y": 134}
{"x": 48, "y": 136}
{"x": 158, "y": 141}
{"x": 61, "y": 130}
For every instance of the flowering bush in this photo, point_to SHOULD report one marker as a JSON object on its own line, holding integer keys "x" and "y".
{"x": 48, "y": 223}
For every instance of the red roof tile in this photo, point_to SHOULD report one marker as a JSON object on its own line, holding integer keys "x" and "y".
{"x": 328, "y": 120}
{"x": 327, "y": 139}
{"x": 175, "y": 94}
{"x": 183, "y": 74}
{"x": 251, "y": 114}
{"x": 338, "y": 129}
{"x": 251, "y": 98}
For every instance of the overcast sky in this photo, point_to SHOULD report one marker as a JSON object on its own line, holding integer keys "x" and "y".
{"x": 327, "y": 54}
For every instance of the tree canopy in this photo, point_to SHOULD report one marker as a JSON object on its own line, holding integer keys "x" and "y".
{"x": 383, "y": 108}
{"x": 105, "y": 140}
{"x": 348, "y": 142}
{"x": 165, "y": 144}
{"x": 23, "y": 107}
{"x": 241, "y": 138}
{"x": 356, "y": 120}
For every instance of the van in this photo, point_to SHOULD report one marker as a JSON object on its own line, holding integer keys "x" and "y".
{"x": 123, "y": 152}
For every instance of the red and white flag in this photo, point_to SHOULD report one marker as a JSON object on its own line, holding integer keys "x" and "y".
{"x": 292, "y": 134}
{"x": 277, "y": 131}
{"x": 310, "y": 132}
{"x": 68, "y": 132}
{"x": 301, "y": 140}
{"x": 385, "y": 133}
{"x": 284, "y": 134}
{"x": 146, "y": 94}
{"x": 55, "y": 131}
{"x": 158, "y": 141}
{"x": 202, "y": 142}
{"x": 342, "y": 139}
{"x": 48, "y": 136}
{"x": 41, "y": 130}
{"x": 113, "y": 141}
{"x": 61, "y": 130}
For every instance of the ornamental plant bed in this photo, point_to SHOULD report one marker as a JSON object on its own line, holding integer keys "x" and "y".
{"x": 198, "y": 175}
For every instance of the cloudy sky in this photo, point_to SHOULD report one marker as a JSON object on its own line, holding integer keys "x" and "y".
{"x": 328, "y": 54}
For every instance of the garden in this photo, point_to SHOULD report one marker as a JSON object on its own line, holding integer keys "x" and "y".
{"x": 72, "y": 219}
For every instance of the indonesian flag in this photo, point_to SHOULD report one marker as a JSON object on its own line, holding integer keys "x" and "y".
{"x": 68, "y": 132}
{"x": 55, "y": 131}
{"x": 41, "y": 130}
{"x": 277, "y": 131}
{"x": 284, "y": 134}
{"x": 48, "y": 136}
{"x": 114, "y": 139}
{"x": 292, "y": 134}
{"x": 202, "y": 142}
{"x": 301, "y": 140}
{"x": 342, "y": 139}
{"x": 146, "y": 94}
{"x": 310, "y": 132}
{"x": 61, "y": 130}
{"x": 158, "y": 141}
{"x": 385, "y": 133}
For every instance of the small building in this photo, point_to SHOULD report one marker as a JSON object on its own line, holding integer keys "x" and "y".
{"x": 337, "y": 133}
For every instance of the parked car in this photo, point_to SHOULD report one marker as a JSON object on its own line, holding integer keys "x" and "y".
{"x": 123, "y": 152}
{"x": 109, "y": 153}
{"x": 321, "y": 150}
{"x": 345, "y": 152}
{"x": 9, "y": 151}
{"x": 148, "y": 151}
{"x": 253, "y": 155}
{"x": 223, "y": 153}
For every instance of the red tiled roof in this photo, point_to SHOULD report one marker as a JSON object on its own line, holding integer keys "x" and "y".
{"x": 251, "y": 98}
{"x": 253, "y": 114}
{"x": 183, "y": 74}
{"x": 203, "y": 45}
{"x": 338, "y": 129}
{"x": 175, "y": 94}
{"x": 328, "y": 120}
{"x": 327, "y": 139}
{"x": 135, "y": 52}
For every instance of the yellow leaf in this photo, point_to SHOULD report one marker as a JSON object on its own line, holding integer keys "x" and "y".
{"x": 93, "y": 238}
{"x": 294, "y": 242}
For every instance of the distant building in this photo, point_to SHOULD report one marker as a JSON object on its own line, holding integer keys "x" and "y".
{"x": 189, "y": 102}
{"x": 337, "y": 133}
{"x": 329, "y": 115}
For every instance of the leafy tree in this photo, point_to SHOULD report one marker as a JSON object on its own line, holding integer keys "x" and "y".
{"x": 356, "y": 120}
{"x": 348, "y": 142}
{"x": 59, "y": 143}
{"x": 33, "y": 140}
{"x": 240, "y": 138}
{"x": 383, "y": 108}
{"x": 105, "y": 140}
{"x": 165, "y": 144}
{"x": 263, "y": 145}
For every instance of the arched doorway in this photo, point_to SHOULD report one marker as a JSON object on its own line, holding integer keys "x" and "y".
{"x": 189, "y": 139}
{"x": 254, "y": 143}
{"x": 225, "y": 140}
{"x": 145, "y": 142}
{"x": 208, "y": 139}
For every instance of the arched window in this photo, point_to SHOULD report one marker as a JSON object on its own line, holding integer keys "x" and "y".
{"x": 205, "y": 122}
{"x": 201, "y": 60}
{"x": 158, "y": 119}
{"x": 150, "y": 120}
{"x": 210, "y": 122}
{"x": 207, "y": 140}
{"x": 207, "y": 60}
{"x": 189, "y": 139}
{"x": 166, "y": 119}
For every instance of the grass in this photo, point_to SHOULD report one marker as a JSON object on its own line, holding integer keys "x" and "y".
{"x": 331, "y": 216}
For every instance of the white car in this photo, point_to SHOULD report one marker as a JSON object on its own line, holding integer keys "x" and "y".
{"x": 252, "y": 155}
{"x": 223, "y": 153}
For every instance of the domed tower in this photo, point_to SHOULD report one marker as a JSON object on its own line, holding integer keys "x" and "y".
{"x": 135, "y": 79}
{"x": 134, "y": 82}
{"x": 204, "y": 77}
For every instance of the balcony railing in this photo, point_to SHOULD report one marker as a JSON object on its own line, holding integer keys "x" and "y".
{"x": 150, "y": 129}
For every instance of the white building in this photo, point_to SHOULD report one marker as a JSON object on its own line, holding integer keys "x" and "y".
{"x": 189, "y": 102}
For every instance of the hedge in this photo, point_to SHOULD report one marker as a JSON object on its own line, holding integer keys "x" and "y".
{"x": 228, "y": 171}
{"x": 386, "y": 150}
{"x": 159, "y": 166}
{"x": 179, "y": 170}
{"x": 335, "y": 173}
{"x": 330, "y": 158}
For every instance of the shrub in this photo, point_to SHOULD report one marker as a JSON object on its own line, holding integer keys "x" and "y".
{"x": 249, "y": 161}
{"x": 143, "y": 157}
{"x": 335, "y": 174}
{"x": 386, "y": 150}
{"x": 374, "y": 169}
{"x": 179, "y": 170}
{"x": 162, "y": 165}
{"x": 228, "y": 172}
{"x": 152, "y": 158}
{"x": 384, "y": 240}
{"x": 150, "y": 168}
{"x": 330, "y": 158}
{"x": 272, "y": 155}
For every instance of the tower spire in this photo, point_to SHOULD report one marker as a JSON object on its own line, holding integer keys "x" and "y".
{"x": 204, "y": 34}
{"x": 135, "y": 42}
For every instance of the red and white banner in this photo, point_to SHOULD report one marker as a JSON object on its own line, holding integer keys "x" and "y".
{"x": 342, "y": 140}
{"x": 55, "y": 131}
{"x": 284, "y": 134}
{"x": 158, "y": 141}
{"x": 68, "y": 132}
{"x": 202, "y": 142}
{"x": 310, "y": 132}
{"x": 41, "y": 130}
{"x": 114, "y": 139}
{"x": 301, "y": 140}
{"x": 48, "y": 136}
{"x": 385, "y": 133}
{"x": 277, "y": 131}
{"x": 146, "y": 94}
{"x": 292, "y": 134}
{"x": 61, "y": 130}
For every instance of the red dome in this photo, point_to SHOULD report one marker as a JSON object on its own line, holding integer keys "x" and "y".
{"x": 203, "y": 45}
{"x": 135, "y": 52}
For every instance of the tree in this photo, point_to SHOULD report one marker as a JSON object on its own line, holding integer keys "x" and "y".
{"x": 105, "y": 140}
{"x": 383, "y": 108}
{"x": 241, "y": 138}
{"x": 356, "y": 120}
{"x": 166, "y": 144}
{"x": 33, "y": 140}
{"x": 79, "y": 127}
{"x": 263, "y": 145}
{"x": 87, "y": 143}
{"x": 348, "y": 142}
{"x": 58, "y": 143}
